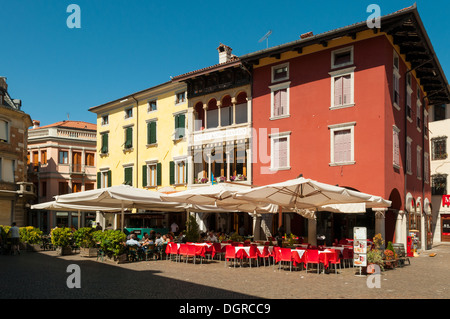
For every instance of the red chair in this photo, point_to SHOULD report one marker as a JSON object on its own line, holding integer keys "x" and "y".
{"x": 276, "y": 254}
{"x": 335, "y": 260}
{"x": 265, "y": 254}
{"x": 285, "y": 255}
{"x": 216, "y": 250}
{"x": 347, "y": 256}
{"x": 312, "y": 257}
{"x": 230, "y": 253}
{"x": 253, "y": 254}
{"x": 183, "y": 251}
{"x": 191, "y": 252}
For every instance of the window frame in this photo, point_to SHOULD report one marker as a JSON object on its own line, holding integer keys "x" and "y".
{"x": 177, "y": 101}
{"x": 396, "y": 79}
{"x": 341, "y": 73}
{"x": 273, "y": 89}
{"x": 342, "y": 50}
{"x": 66, "y": 162}
{"x": 396, "y": 132}
{"x": 342, "y": 127}
{"x": 149, "y": 103}
{"x": 279, "y": 66}
{"x": 278, "y": 136}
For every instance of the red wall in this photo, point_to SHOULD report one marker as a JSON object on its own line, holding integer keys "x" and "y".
{"x": 310, "y": 116}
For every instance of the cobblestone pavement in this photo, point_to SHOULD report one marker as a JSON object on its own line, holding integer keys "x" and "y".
{"x": 43, "y": 275}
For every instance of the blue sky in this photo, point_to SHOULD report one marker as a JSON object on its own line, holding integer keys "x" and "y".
{"x": 127, "y": 46}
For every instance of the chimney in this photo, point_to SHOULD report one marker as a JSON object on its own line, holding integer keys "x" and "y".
{"x": 36, "y": 123}
{"x": 224, "y": 53}
{"x": 306, "y": 35}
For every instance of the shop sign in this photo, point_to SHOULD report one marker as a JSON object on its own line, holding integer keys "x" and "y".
{"x": 360, "y": 246}
{"x": 445, "y": 200}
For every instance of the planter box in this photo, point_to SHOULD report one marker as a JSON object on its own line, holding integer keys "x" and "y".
{"x": 88, "y": 252}
{"x": 121, "y": 259}
{"x": 63, "y": 251}
{"x": 33, "y": 247}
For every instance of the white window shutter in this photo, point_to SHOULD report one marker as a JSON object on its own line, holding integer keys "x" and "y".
{"x": 338, "y": 90}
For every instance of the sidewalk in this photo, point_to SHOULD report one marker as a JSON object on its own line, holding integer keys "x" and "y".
{"x": 43, "y": 275}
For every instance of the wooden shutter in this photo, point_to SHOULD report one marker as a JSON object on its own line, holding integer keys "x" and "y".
{"x": 144, "y": 176}
{"x": 347, "y": 89}
{"x": 151, "y": 132}
{"x": 129, "y": 137}
{"x": 396, "y": 149}
{"x": 283, "y": 102}
{"x": 128, "y": 176}
{"x": 158, "y": 174}
{"x": 338, "y": 90}
{"x": 342, "y": 146}
{"x": 172, "y": 172}
{"x": 181, "y": 125}
{"x": 109, "y": 179}
{"x": 104, "y": 143}
{"x": 283, "y": 152}
{"x": 276, "y": 103}
{"x": 99, "y": 180}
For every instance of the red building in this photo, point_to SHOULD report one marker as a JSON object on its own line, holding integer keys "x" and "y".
{"x": 349, "y": 107}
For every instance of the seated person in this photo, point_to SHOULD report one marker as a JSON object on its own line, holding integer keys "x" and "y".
{"x": 146, "y": 241}
{"x": 211, "y": 237}
{"x": 132, "y": 241}
{"x": 158, "y": 240}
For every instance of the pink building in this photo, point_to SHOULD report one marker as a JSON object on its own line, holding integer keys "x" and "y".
{"x": 61, "y": 158}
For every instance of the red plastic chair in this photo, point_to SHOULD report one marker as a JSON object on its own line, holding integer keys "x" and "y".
{"x": 183, "y": 251}
{"x": 216, "y": 250}
{"x": 265, "y": 254}
{"x": 191, "y": 252}
{"x": 230, "y": 253}
{"x": 347, "y": 256}
{"x": 253, "y": 254}
{"x": 285, "y": 255}
{"x": 312, "y": 257}
{"x": 276, "y": 254}
{"x": 335, "y": 260}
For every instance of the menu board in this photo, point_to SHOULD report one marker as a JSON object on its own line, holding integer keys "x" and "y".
{"x": 360, "y": 246}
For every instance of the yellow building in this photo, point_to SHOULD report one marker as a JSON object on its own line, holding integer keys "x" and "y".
{"x": 141, "y": 141}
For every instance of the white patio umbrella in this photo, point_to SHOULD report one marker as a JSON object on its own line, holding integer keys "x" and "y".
{"x": 221, "y": 196}
{"x": 302, "y": 193}
{"x": 122, "y": 197}
{"x": 53, "y": 205}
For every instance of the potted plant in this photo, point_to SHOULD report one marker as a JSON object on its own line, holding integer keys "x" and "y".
{"x": 193, "y": 231}
{"x": 32, "y": 237}
{"x": 221, "y": 179}
{"x": 112, "y": 242}
{"x": 62, "y": 239}
{"x": 84, "y": 239}
{"x": 390, "y": 256}
{"x": 375, "y": 254}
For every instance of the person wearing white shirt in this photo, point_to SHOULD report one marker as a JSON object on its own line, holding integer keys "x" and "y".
{"x": 132, "y": 241}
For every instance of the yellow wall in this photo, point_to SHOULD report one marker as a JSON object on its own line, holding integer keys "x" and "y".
{"x": 163, "y": 151}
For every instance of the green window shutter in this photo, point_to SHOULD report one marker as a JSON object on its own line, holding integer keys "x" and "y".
{"x": 149, "y": 133}
{"x": 129, "y": 137}
{"x": 181, "y": 125}
{"x": 104, "y": 143}
{"x": 176, "y": 126}
{"x": 109, "y": 179}
{"x": 144, "y": 175}
{"x": 158, "y": 174}
{"x": 172, "y": 172}
{"x": 153, "y": 132}
{"x": 128, "y": 176}
{"x": 99, "y": 180}
{"x": 186, "y": 169}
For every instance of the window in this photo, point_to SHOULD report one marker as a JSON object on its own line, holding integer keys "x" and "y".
{"x": 342, "y": 144}
{"x": 419, "y": 162}
{"x": 7, "y": 170}
{"x": 89, "y": 159}
{"x": 105, "y": 119}
{"x": 151, "y": 175}
{"x": 151, "y": 132}
{"x": 439, "y": 112}
{"x": 151, "y": 106}
{"x": 128, "y": 176}
{"x": 43, "y": 157}
{"x": 439, "y": 184}
{"x": 408, "y": 155}
{"x": 178, "y": 172}
{"x": 342, "y": 57}
{"x": 104, "y": 179}
{"x": 63, "y": 188}
{"x": 128, "y": 137}
{"x": 4, "y": 131}
{"x": 279, "y": 101}
{"x": 44, "y": 189}
{"x": 396, "y": 82}
{"x": 280, "y": 72}
{"x": 180, "y": 97}
{"x": 426, "y": 167}
{"x": 180, "y": 125}
{"x": 408, "y": 98}
{"x": 439, "y": 148}
{"x": 342, "y": 88}
{"x": 418, "y": 110}
{"x": 63, "y": 157}
{"x": 280, "y": 151}
{"x": 104, "y": 149}
{"x": 129, "y": 113}
{"x": 396, "y": 147}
